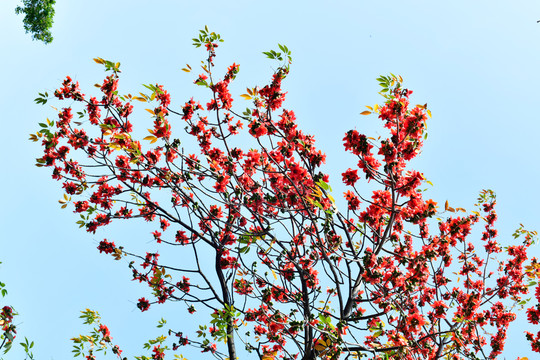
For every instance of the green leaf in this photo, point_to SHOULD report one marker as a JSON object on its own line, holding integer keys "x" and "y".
{"x": 161, "y": 323}
{"x": 323, "y": 185}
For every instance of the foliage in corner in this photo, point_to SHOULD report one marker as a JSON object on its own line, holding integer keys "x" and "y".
{"x": 38, "y": 18}
{"x": 9, "y": 330}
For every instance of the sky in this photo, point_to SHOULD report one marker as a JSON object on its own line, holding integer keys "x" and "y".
{"x": 474, "y": 63}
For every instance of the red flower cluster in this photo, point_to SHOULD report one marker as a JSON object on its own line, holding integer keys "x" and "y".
{"x": 143, "y": 304}
{"x": 106, "y": 247}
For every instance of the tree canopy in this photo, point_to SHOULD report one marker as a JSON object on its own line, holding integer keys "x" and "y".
{"x": 254, "y": 238}
{"x": 38, "y": 18}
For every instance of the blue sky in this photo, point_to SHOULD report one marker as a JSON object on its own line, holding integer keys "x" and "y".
{"x": 474, "y": 63}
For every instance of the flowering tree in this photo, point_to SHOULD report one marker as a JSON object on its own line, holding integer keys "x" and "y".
{"x": 285, "y": 270}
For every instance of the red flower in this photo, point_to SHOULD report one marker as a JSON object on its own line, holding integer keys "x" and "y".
{"x": 415, "y": 321}
{"x": 116, "y": 350}
{"x": 105, "y": 332}
{"x": 106, "y": 247}
{"x": 81, "y": 206}
{"x": 533, "y": 315}
{"x": 243, "y": 287}
{"x": 143, "y": 304}
{"x": 350, "y": 177}
{"x": 257, "y": 129}
{"x": 158, "y": 353}
{"x": 357, "y": 143}
{"x": 221, "y": 183}
{"x": 439, "y": 309}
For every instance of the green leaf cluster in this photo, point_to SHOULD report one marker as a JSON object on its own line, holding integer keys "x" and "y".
{"x": 274, "y": 55}
{"x": 109, "y": 65}
{"x": 38, "y": 18}
{"x": 26, "y": 345}
{"x": 42, "y": 98}
{"x": 389, "y": 82}
{"x": 222, "y": 319}
{"x": 205, "y": 37}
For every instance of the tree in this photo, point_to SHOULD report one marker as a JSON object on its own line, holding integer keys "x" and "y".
{"x": 38, "y": 18}
{"x": 264, "y": 245}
